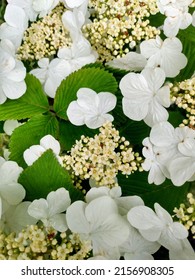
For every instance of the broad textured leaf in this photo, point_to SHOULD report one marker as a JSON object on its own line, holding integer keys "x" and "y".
{"x": 69, "y": 133}
{"x": 167, "y": 195}
{"x": 94, "y": 78}
{"x": 187, "y": 38}
{"x": 46, "y": 175}
{"x": 30, "y": 134}
{"x": 33, "y": 102}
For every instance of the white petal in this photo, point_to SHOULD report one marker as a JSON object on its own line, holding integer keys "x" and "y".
{"x": 143, "y": 218}
{"x": 156, "y": 175}
{"x": 13, "y": 193}
{"x": 18, "y": 73}
{"x": 107, "y": 102}
{"x": 152, "y": 234}
{"x": 58, "y": 201}
{"x": 88, "y": 100}
{"x": 149, "y": 47}
{"x": 40, "y": 74}
{"x": 98, "y": 120}
{"x": 16, "y": 17}
{"x": 75, "y": 216}
{"x": 162, "y": 134}
{"x": 58, "y": 222}
{"x": 49, "y": 142}
{"x": 154, "y": 77}
{"x": 181, "y": 170}
{"x": 9, "y": 172}
{"x": 187, "y": 147}
{"x": 179, "y": 231}
{"x": 76, "y": 3}
{"x": 128, "y": 202}
{"x": 95, "y": 193}
{"x": 10, "y": 125}
{"x": 156, "y": 113}
{"x": 185, "y": 253}
{"x": 14, "y": 90}
{"x": 171, "y": 26}
{"x": 38, "y": 209}
{"x": 32, "y": 154}
{"x": 163, "y": 215}
{"x": 163, "y": 96}
{"x": 135, "y": 109}
{"x": 75, "y": 113}
{"x": 3, "y": 97}
{"x": 134, "y": 86}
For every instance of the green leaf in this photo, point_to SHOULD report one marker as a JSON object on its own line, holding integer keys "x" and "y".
{"x": 69, "y": 133}
{"x": 33, "y": 102}
{"x": 167, "y": 195}
{"x": 46, "y": 175}
{"x": 94, "y": 78}
{"x": 187, "y": 38}
{"x": 30, "y": 134}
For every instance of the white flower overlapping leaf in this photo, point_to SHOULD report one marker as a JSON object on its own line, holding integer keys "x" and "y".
{"x": 91, "y": 108}
{"x": 50, "y": 210}
{"x": 34, "y": 152}
{"x": 144, "y": 97}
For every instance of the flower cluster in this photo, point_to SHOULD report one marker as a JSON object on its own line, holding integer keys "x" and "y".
{"x": 186, "y": 213}
{"x": 118, "y": 26}
{"x": 36, "y": 243}
{"x": 45, "y": 37}
{"x": 182, "y": 94}
{"x": 102, "y": 157}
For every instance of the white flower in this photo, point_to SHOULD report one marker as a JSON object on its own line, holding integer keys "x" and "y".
{"x": 49, "y": 210}
{"x": 165, "y": 54}
{"x": 157, "y": 226}
{"x": 16, "y": 218}
{"x": 138, "y": 248}
{"x": 144, "y": 99}
{"x": 177, "y": 146}
{"x": 176, "y": 19}
{"x": 51, "y": 74}
{"x": 157, "y": 170}
{"x": 43, "y": 7}
{"x": 16, "y": 22}
{"x": 124, "y": 203}
{"x": 78, "y": 55}
{"x": 99, "y": 222}
{"x": 10, "y": 125}
{"x": 12, "y": 73}
{"x": 132, "y": 61}
{"x": 11, "y": 192}
{"x": 34, "y": 152}
{"x": 91, "y": 108}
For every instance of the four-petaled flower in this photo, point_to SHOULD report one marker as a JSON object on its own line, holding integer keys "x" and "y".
{"x": 91, "y": 108}
{"x": 144, "y": 98}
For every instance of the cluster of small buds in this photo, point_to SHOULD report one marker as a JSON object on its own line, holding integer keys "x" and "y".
{"x": 186, "y": 213}
{"x": 36, "y": 243}
{"x": 45, "y": 37}
{"x": 183, "y": 95}
{"x": 102, "y": 157}
{"x": 118, "y": 26}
